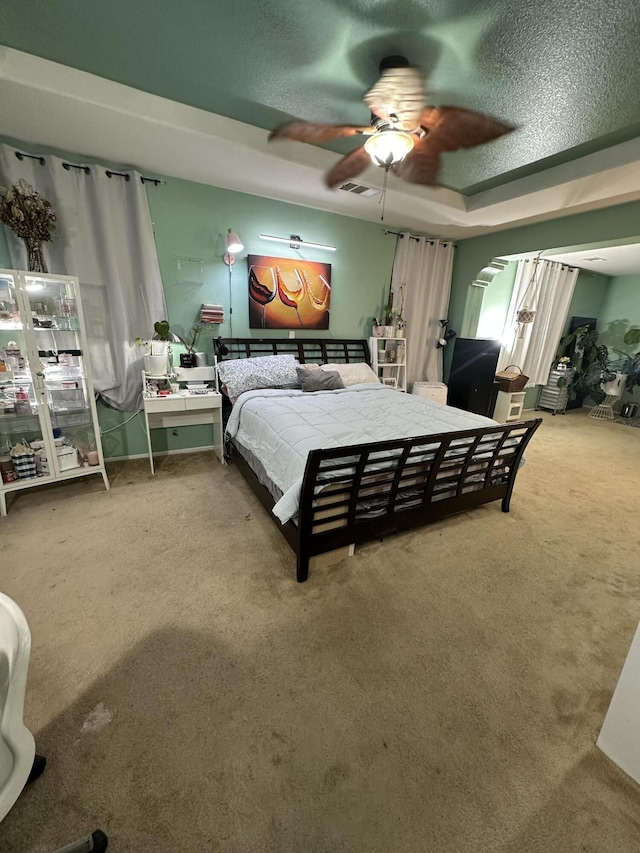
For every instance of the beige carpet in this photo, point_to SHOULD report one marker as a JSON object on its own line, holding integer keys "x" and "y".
{"x": 440, "y": 691}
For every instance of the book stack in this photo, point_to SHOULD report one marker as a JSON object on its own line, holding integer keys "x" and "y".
{"x": 212, "y": 314}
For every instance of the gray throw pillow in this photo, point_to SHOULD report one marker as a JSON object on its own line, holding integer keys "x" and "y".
{"x": 318, "y": 380}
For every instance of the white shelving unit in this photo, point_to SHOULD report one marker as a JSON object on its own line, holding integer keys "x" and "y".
{"x": 389, "y": 361}
{"x": 509, "y": 406}
{"x": 45, "y": 382}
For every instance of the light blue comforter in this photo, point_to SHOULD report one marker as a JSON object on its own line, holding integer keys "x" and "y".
{"x": 281, "y": 426}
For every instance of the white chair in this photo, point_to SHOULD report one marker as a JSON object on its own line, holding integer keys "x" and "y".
{"x": 18, "y": 761}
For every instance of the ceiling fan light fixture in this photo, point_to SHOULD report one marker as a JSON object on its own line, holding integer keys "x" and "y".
{"x": 388, "y": 147}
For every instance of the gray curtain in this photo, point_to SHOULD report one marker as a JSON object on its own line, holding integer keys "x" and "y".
{"x": 104, "y": 236}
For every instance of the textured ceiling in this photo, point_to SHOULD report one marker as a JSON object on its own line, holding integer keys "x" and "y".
{"x": 564, "y": 71}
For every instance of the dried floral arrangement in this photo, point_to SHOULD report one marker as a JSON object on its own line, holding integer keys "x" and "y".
{"x": 30, "y": 216}
{"x": 26, "y": 212}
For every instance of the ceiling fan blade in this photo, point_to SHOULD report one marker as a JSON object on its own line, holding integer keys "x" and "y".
{"x": 308, "y": 131}
{"x": 398, "y": 97}
{"x": 349, "y": 166}
{"x": 451, "y": 128}
{"x": 421, "y": 165}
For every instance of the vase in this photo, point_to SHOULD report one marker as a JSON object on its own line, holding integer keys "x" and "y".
{"x": 35, "y": 255}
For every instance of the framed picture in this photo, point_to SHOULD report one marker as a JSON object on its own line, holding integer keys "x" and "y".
{"x": 390, "y": 381}
{"x": 288, "y": 293}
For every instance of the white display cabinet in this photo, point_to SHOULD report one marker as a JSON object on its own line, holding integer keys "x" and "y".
{"x": 389, "y": 361}
{"x": 47, "y": 402}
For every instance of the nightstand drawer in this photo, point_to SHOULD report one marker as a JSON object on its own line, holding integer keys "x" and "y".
{"x": 173, "y": 403}
{"x": 203, "y": 402}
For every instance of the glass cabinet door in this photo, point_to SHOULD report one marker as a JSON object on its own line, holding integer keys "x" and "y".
{"x": 54, "y": 309}
{"x": 20, "y": 403}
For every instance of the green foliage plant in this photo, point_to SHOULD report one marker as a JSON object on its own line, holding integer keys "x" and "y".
{"x": 597, "y": 365}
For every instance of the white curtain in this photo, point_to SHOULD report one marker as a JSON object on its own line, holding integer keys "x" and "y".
{"x": 104, "y": 236}
{"x": 422, "y": 272}
{"x": 547, "y": 287}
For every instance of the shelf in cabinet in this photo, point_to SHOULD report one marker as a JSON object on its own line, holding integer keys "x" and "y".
{"x": 5, "y": 417}
{"x": 8, "y": 377}
{"x": 53, "y": 329}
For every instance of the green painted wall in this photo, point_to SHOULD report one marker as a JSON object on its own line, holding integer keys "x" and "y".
{"x": 588, "y": 297}
{"x": 620, "y": 312}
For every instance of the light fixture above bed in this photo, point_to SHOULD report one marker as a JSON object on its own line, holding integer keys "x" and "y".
{"x": 295, "y": 242}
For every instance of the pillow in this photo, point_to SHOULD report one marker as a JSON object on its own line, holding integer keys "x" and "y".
{"x": 249, "y": 374}
{"x": 319, "y": 380}
{"x": 353, "y": 374}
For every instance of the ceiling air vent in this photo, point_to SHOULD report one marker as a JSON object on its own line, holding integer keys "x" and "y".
{"x": 359, "y": 189}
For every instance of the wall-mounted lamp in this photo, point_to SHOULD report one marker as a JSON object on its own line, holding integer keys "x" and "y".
{"x": 234, "y": 245}
{"x": 446, "y": 334}
{"x": 295, "y": 242}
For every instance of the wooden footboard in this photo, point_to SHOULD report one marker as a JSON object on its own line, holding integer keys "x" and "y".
{"x": 354, "y": 494}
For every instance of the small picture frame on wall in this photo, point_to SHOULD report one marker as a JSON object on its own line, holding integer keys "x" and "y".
{"x": 390, "y": 381}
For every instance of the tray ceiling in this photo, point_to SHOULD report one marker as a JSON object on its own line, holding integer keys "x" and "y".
{"x": 565, "y": 73}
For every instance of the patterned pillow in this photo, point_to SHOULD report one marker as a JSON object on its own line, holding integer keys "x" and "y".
{"x": 249, "y": 374}
{"x": 353, "y": 374}
{"x": 313, "y": 379}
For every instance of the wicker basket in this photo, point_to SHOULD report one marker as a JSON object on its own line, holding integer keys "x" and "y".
{"x": 511, "y": 379}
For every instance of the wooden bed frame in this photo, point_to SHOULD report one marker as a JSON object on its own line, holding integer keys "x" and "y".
{"x": 362, "y": 492}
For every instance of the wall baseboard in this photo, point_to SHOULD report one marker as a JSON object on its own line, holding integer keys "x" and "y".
{"x": 159, "y": 453}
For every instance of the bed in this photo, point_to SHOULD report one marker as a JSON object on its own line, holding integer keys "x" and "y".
{"x": 338, "y": 468}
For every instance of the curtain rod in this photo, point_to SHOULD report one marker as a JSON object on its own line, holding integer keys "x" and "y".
{"x": 417, "y": 239}
{"x": 110, "y": 173}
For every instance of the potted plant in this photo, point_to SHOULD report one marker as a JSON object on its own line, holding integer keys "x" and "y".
{"x": 190, "y": 340}
{"x": 157, "y": 359}
{"x": 631, "y": 362}
{"x": 597, "y": 365}
{"x": 395, "y": 316}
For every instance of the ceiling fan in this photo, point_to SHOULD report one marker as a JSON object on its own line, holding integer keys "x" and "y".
{"x": 406, "y": 135}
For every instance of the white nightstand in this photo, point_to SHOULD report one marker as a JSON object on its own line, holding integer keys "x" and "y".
{"x": 184, "y": 409}
{"x": 509, "y": 406}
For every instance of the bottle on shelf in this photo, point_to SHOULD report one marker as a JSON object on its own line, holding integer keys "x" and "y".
{"x": 23, "y": 405}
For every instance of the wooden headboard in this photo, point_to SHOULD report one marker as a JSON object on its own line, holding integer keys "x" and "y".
{"x": 306, "y": 350}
